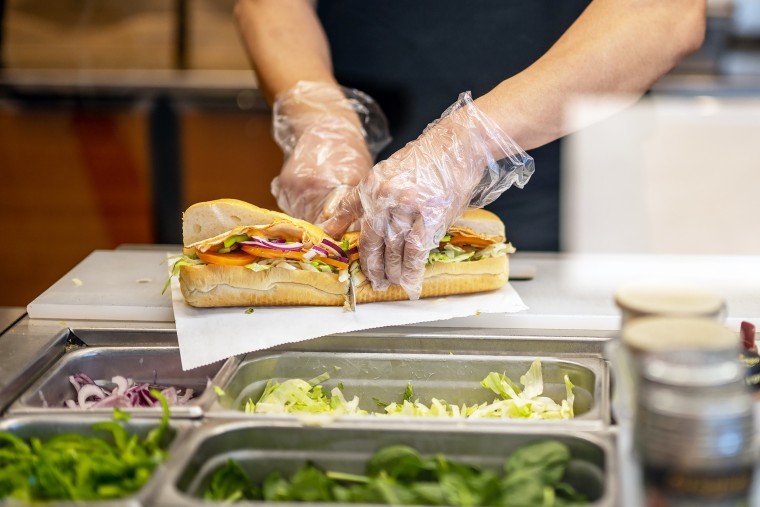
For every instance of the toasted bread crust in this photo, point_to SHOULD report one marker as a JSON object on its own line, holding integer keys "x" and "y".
{"x": 204, "y": 222}
{"x": 482, "y": 221}
{"x": 209, "y": 286}
{"x": 443, "y": 279}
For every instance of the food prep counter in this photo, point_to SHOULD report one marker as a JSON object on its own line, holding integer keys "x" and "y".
{"x": 9, "y": 315}
{"x": 570, "y": 320}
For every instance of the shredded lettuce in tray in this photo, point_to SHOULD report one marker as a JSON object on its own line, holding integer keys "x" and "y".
{"x": 296, "y": 396}
{"x": 299, "y": 396}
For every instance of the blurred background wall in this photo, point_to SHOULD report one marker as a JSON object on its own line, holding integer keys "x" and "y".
{"x": 679, "y": 171}
{"x": 116, "y": 115}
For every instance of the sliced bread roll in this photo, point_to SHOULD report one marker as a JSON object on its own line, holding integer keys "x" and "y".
{"x": 209, "y": 285}
{"x": 444, "y": 280}
{"x": 204, "y": 222}
{"x": 223, "y": 280}
{"x": 205, "y": 227}
{"x": 479, "y": 226}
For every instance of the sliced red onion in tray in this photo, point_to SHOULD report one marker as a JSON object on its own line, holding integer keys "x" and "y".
{"x": 80, "y": 379}
{"x": 263, "y": 243}
{"x": 171, "y": 396}
{"x": 88, "y": 391}
{"x": 121, "y": 385}
{"x": 112, "y": 401}
{"x": 139, "y": 395}
{"x": 185, "y": 397}
{"x": 126, "y": 394}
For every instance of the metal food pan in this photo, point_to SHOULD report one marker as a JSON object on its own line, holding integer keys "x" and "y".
{"x": 43, "y": 428}
{"x": 160, "y": 365}
{"x": 384, "y": 376}
{"x": 262, "y": 448}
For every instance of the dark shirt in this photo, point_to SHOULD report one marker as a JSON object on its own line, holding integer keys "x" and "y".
{"x": 415, "y": 57}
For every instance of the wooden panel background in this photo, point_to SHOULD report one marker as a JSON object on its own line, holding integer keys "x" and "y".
{"x": 229, "y": 154}
{"x": 75, "y": 179}
{"x": 213, "y": 41}
{"x": 72, "y": 182}
{"x": 97, "y": 34}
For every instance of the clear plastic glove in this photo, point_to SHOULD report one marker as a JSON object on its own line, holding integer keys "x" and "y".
{"x": 408, "y": 201}
{"x": 330, "y": 136}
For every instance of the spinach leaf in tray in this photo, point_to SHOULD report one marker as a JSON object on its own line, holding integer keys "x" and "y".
{"x": 71, "y": 466}
{"x": 399, "y": 475}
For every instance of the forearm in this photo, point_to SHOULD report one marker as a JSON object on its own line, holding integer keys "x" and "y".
{"x": 615, "y": 47}
{"x": 285, "y": 43}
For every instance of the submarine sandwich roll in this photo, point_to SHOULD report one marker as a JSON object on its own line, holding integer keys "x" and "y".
{"x": 237, "y": 254}
{"x": 471, "y": 257}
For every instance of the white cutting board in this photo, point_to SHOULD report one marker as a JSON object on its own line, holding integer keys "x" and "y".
{"x": 122, "y": 285}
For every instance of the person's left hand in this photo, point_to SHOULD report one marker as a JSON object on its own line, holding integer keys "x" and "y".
{"x": 327, "y": 161}
{"x": 329, "y": 136}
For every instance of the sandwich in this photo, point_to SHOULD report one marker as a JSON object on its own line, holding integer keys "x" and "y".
{"x": 237, "y": 254}
{"x": 471, "y": 257}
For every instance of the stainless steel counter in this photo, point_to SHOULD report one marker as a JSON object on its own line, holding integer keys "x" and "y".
{"x": 568, "y": 292}
{"x": 9, "y": 315}
{"x": 568, "y": 296}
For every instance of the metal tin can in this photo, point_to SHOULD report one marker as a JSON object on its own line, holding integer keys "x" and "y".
{"x": 643, "y": 299}
{"x": 646, "y": 336}
{"x": 694, "y": 429}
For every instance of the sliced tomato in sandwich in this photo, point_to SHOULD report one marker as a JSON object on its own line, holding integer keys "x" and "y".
{"x": 271, "y": 253}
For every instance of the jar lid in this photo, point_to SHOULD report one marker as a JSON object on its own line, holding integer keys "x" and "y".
{"x": 661, "y": 334}
{"x": 667, "y": 298}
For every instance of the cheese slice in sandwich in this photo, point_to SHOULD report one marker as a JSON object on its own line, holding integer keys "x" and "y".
{"x": 471, "y": 257}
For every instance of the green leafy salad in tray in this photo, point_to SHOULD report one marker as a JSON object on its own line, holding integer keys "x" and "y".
{"x": 533, "y": 475}
{"x": 70, "y": 466}
{"x": 513, "y": 401}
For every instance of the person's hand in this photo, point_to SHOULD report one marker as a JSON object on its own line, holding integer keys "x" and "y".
{"x": 407, "y": 202}
{"x": 329, "y": 136}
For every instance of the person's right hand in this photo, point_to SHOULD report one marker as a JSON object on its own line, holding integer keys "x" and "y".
{"x": 407, "y": 202}
{"x": 329, "y": 136}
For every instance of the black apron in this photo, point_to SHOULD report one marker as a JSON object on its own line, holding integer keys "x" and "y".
{"x": 415, "y": 56}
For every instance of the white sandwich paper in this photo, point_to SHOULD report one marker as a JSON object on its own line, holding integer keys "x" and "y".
{"x": 207, "y": 335}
